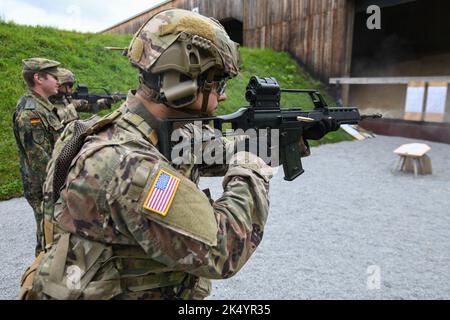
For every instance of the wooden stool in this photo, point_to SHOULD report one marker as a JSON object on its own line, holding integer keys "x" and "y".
{"x": 413, "y": 158}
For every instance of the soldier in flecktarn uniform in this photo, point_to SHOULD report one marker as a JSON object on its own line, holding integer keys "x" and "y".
{"x": 36, "y": 128}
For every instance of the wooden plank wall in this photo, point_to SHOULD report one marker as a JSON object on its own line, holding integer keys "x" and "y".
{"x": 219, "y": 9}
{"x": 317, "y": 32}
{"x": 133, "y": 24}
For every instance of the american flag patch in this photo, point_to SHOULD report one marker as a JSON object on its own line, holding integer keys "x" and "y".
{"x": 162, "y": 193}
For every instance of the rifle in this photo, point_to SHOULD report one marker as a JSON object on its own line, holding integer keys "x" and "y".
{"x": 82, "y": 93}
{"x": 264, "y": 112}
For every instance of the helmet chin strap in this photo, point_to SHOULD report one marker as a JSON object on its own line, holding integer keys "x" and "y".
{"x": 148, "y": 92}
{"x": 206, "y": 90}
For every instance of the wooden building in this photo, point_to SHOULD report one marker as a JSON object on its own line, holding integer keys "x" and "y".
{"x": 370, "y": 68}
{"x": 317, "y": 32}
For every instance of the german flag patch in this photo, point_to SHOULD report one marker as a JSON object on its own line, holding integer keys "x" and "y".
{"x": 35, "y": 120}
{"x": 162, "y": 193}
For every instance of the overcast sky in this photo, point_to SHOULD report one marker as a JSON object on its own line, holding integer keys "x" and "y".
{"x": 80, "y": 15}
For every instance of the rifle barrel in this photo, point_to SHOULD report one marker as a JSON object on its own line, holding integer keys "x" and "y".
{"x": 115, "y": 48}
{"x": 371, "y": 116}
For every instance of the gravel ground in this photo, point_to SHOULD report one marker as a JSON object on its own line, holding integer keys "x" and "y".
{"x": 351, "y": 227}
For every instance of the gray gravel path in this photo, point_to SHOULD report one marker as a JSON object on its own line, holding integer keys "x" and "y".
{"x": 351, "y": 227}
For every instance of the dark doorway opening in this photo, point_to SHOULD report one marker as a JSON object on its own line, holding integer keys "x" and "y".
{"x": 234, "y": 29}
{"x": 414, "y": 41}
{"x": 411, "y": 31}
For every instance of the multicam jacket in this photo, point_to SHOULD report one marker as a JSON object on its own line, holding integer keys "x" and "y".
{"x": 66, "y": 110}
{"x": 130, "y": 225}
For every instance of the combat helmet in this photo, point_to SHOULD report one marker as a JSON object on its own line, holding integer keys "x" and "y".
{"x": 179, "y": 52}
{"x": 66, "y": 76}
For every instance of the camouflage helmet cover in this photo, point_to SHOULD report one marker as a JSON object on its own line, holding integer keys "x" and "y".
{"x": 165, "y": 28}
{"x": 66, "y": 76}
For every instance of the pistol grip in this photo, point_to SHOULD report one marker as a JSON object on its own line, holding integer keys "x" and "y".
{"x": 292, "y": 163}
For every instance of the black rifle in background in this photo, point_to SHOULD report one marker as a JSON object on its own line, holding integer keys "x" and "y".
{"x": 82, "y": 93}
{"x": 264, "y": 112}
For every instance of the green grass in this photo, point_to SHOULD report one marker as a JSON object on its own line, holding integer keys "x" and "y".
{"x": 82, "y": 53}
{"x": 269, "y": 63}
{"x": 85, "y": 55}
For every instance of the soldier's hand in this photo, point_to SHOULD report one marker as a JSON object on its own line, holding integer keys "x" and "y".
{"x": 115, "y": 98}
{"x": 80, "y": 104}
{"x": 247, "y": 159}
{"x": 320, "y": 129}
{"x": 104, "y": 104}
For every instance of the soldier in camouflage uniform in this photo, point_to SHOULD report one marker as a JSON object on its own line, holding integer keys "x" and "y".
{"x": 36, "y": 128}
{"x": 121, "y": 221}
{"x": 67, "y": 107}
{"x": 38, "y": 121}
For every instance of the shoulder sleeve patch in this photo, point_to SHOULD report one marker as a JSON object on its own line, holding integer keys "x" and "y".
{"x": 162, "y": 192}
{"x": 35, "y": 120}
{"x": 175, "y": 202}
{"x": 29, "y": 119}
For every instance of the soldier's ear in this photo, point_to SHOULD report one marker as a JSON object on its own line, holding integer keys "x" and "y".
{"x": 37, "y": 78}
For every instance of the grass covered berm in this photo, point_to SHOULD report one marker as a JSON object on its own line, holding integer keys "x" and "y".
{"x": 85, "y": 55}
